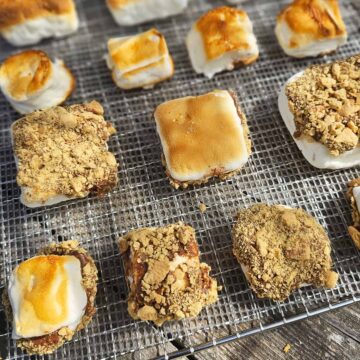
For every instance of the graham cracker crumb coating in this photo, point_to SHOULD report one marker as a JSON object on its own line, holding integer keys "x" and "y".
{"x": 325, "y": 102}
{"x": 164, "y": 273}
{"x": 282, "y": 249}
{"x": 63, "y": 151}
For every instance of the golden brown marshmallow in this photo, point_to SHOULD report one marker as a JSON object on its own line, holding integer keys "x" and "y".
{"x": 310, "y": 28}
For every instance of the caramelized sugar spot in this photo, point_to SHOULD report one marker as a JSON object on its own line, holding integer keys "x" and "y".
{"x": 201, "y": 133}
{"x": 149, "y": 46}
{"x": 223, "y": 30}
{"x": 26, "y": 73}
{"x": 318, "y": 18}
{"x": 44, "y": 282}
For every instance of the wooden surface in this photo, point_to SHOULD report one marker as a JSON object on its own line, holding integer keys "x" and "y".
{"x": 334, "y": 335}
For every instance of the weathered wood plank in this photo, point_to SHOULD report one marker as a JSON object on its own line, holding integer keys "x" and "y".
{"x": 334, "y": 335}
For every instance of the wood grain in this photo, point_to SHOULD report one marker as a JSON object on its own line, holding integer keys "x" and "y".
{"x": 334, "y": 335}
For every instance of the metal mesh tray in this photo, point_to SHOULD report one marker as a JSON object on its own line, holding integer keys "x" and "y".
{"x": 276, "y": 173}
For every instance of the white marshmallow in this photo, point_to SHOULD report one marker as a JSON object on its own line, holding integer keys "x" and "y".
{"x": 311, "y": 49}
{"x": 132, "y": 12}
{"x": 21, "y": 71}
{"x": 317, "y": 154}
{"x": 208, "y": 54}
{"x": 301, "y": 34}
{"x": 139, "y": 61}
{"x": 356, "y": 194}
{"x": 33, "y": 31}
{"x": 46, "y": 294}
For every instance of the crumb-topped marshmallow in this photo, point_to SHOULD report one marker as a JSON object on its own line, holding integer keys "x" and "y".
{"x": 202, "y": 137}
{"x": 221, "y": 39}
{"x": 61, "y": 154}
{"x": 281, "y": 249}
{"x": 321, "y": 109}
{"x": 132, "y": 12}
{"x": 139, "y": 61}
{"x": 167, "y": 281}
{"x": 25, "y": 22}
{"x": 308, "y": 28}
{"x": 31, "y": 81}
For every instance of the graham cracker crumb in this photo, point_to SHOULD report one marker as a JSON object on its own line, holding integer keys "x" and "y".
{"x": 326, "y": 104}
{"x": 281, "y": 249}
{"x": 63, "y": 151}
{"x": 202, "y": 207}
{"x": 165, "y": 276}
{"x": 287, "y": 348}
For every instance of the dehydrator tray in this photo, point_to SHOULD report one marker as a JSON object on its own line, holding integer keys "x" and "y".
{"x": 275, "y": 173}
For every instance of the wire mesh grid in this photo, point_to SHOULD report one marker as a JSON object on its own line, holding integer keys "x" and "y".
{"x": 275, "y": 173}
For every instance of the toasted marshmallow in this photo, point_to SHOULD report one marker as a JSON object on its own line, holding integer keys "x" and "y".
{"x": 309, "y": 28}
{"x": 202, "y": 136}
{"x": 31, "y": 81}
{"x": 220, "y": 40}
{"x": 132, "y": 12}
{"x": 317, "y": 154}
{"x": 139, "y": 61}
{"x": 25, "y": 22}
{"x": 46, "y": 294}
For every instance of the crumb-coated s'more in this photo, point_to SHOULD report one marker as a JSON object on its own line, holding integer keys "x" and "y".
{"x": 202, "y": 137}
{"x": 31, "y": 81}
{"x": 50, "y": 297}
{"x": 281, "y": 249}
{"x": 25, "y": 22}
{"x": 167, "y": 281}
{"x": 321, "y": 108}
{"x": 222, "y": 39}
{"x": 307, "y": 28}
{"x": 61, "y": 153}
{"x": 139, "y": 61}
{"x": 133, "y": 12}
{"x": 354, "y": 197}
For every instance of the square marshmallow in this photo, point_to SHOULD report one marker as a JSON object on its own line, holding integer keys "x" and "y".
{"x": 139, "y": 61}
{"x": 221, "y": 39}
{"x": 132, "y": 12}
{"x": 202, "y": 137}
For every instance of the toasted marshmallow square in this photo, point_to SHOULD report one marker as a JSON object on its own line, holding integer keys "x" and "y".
{"x": 308, "y": 28}
{"x": 31, "y": 81}
{"x": 202, "y": 137}
{"x": 132, "y": 12}
{"x": 46, "y": 294}
{"x": 220, "y": 40}
{"x": 139, "y": 61}
{"x": 321, "y": 114}
{"x": 26, "y": 22}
